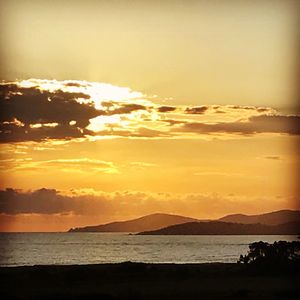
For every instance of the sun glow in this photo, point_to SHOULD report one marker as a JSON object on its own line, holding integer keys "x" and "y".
{"x": 103, "y": 122}
{"x": 99, "y": 92}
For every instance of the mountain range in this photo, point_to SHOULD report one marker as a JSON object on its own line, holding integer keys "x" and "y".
{"x": 150, "y": 222}
{"x": 272, "y": 218}
{"x": 225, "y": 228}
{"x": 285, "y": 220}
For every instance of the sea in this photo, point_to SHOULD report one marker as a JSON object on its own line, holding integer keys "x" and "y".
{"x": 27, "y": 249}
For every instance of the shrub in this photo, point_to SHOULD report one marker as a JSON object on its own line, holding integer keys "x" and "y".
{"x": 278, "y": 252}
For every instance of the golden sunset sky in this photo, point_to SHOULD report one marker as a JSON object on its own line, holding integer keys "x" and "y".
{"x": 111, "y": 110}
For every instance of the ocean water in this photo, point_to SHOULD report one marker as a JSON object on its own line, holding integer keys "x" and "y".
{"x": 22, "y": 249}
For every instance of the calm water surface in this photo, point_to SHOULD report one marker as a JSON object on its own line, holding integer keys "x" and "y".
{"x": 19, "y": 249}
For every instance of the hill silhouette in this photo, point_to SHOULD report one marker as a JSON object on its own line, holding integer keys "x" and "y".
{"x": 224, "y": 228}
{"x": 272, "y": 218}
{"x": 149, "y": 222}
{"x": 161, "y": 220}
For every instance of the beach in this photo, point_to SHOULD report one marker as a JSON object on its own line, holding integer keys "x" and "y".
{"x": 149, "y": 281}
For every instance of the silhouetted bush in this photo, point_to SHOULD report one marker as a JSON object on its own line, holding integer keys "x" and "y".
{"x": 281, "y": 252}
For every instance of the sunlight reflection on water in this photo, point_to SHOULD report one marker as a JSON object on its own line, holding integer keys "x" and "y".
{"x": 90, "y": 248}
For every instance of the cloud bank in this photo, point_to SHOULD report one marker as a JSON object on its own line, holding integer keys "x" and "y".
{"x": 255, "y": 124}
{"x": 40, "y": 110}
{"x": 127, "y": 203}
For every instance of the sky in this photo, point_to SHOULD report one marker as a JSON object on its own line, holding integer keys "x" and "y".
{"x": 111, "y": 110}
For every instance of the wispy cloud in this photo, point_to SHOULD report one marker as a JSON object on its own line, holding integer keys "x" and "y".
{"x": 253, "y": 125}
{"x": 273, "y": 157}
{"x": 71, "y": 165}
{"x": 82, "y": 165}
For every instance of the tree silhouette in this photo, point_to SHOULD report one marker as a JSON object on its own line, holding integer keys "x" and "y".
{"x": 279, "y": 252}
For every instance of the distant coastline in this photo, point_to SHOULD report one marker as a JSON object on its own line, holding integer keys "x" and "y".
{"x": 273, "y": 223}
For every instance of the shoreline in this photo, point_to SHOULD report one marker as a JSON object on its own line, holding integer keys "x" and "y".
{"x": 120, "y": 264}
{"x": 129, "y": 280}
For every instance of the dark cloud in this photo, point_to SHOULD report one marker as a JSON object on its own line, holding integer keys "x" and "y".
{"x": 262, "y": 109}
{"x": 10, "y": 133}
{"x": 255, "y": 124}
{"x": 23, "y": 107}
{"x": 126, "y": 109}
{"x": 242, "y": 107}
{"x": 43, "y": 201}
{"x": 31, "y": 106}
{"x": 76, "y": 84}
{"x": 289, "y": 124}
{"x": 198, "y": 110}
{"x": 115, "y": 107}
{"x": 164, "y": 109}
{"x": 49, "y": 201}
{"x": 251, "y": 108}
